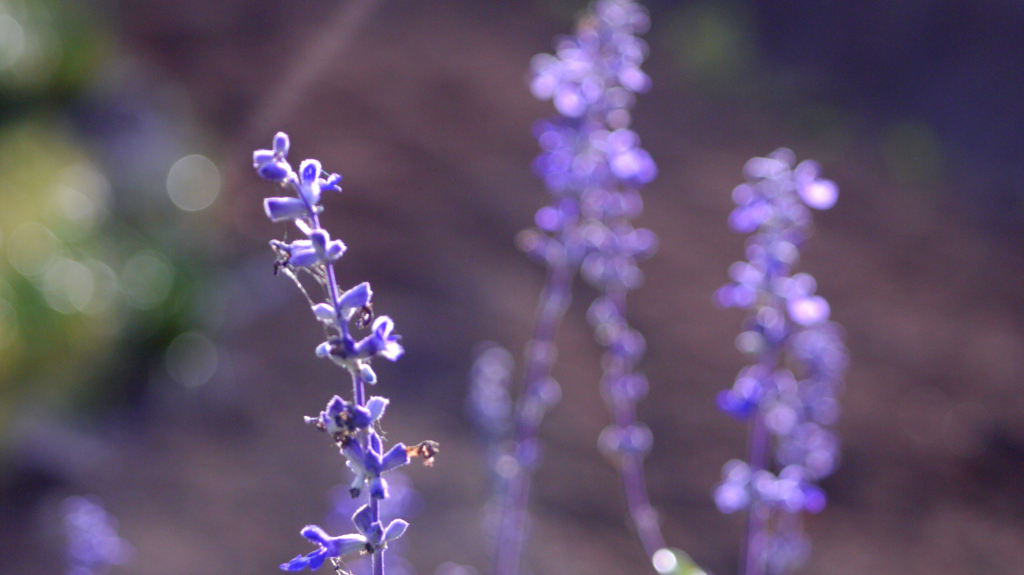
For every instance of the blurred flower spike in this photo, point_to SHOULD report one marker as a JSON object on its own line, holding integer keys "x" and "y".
{"x": 789, "y": 395}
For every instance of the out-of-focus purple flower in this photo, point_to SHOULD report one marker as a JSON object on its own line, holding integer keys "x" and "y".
{"x": 489, "y": 401}
{"x": 93, "y": 543}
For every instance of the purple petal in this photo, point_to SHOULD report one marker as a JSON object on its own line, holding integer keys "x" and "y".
{"x": 363, "y": 519}
{"x": 349, "y": 544}
{"x": 280, "y": 209}
{"x": 320, "y": 238}
{"x": 281, "y": 144}
{"x": 355, "y": 298}
{"x": 376, "y": 406}
{"x": 368, "y": 375}
{"x": 395, "y": 530}
{"x": 335, "y": 406}
{"x": 331, "y": 183}
{"x": 395, "y": 457}
{"x": 304, "y": 258}
{"x": 334, "y": 250}
{"x": 315, "y": 534}
{"x": 382, "y": 326}
{"x": 297, "y": 564}
{"x": 324, "y": 312}
{"x": 316, "y": 559}
{"x": 354, "y": 452}
{"x": 274, "y": 171}
{"x": 260, "y": 157}
{"x": 309, "y": 172}
{"x": 392, "y": 350}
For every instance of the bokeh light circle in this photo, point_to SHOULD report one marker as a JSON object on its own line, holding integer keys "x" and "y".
{"x": 32, "y": 249}
{"x": 193, "y": 183}
{"x": 192, "y": 359}
{"x": 146, "y": 279}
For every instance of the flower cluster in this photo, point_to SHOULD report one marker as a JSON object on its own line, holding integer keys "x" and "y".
{"x": 589, "y": 153}
{"x": 351, "y": 425}
{"x": 403, "y": 501}
{"x": 790, "y": 393}
{"x": 370, "y": 537}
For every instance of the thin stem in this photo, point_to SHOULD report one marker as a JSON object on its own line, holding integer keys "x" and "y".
{"x": 632, "y": 468}
{"x": 512, "y": 519}
{"x": 332, "y": 282}
{"x": 378, "y": 554}
{"x": 752, "y": 551}
{"x": 759, "y": 451}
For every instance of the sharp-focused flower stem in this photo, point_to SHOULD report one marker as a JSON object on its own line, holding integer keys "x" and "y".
{"x": 351, "y": 426}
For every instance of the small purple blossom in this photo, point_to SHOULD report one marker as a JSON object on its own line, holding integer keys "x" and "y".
{"x": 272, "y": 164}
{"x": 382, "y": 341}
{"x": 370, "y": 536}
{"x": 342, "y": 418}
{"x": 368, "y": 463}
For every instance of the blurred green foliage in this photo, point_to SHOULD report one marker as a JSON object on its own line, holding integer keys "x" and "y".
{"x": 89, "y": 298}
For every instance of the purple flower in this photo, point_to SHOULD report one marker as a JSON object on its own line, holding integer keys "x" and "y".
{"x": 368, "y": 463}
{"x": 370, "y": 537}
{"x": 341, "y": 418}
{"x": 93, "y": 542}
{"x": 789, "y": 407}
{"x": 272, "y": 164}
{"x": 382, "y": 341}
{"x": 315, "y": 251}
{"x": 349, "y": 303}
{"x": 328, "y": 547}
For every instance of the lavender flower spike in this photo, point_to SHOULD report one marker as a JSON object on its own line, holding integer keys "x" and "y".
{"x": 351, "y": 424}
{"x": 593, "y": 167}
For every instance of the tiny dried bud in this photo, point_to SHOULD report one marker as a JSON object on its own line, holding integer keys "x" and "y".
{"x": 315, "y": 421}
{"x": 426, "y": 449}
{"x": 366, "y": 315}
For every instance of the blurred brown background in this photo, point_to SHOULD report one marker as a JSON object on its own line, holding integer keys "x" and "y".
{"x": 197, "y": 445}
